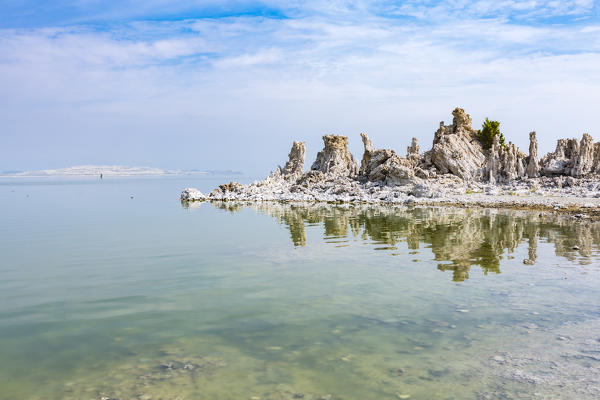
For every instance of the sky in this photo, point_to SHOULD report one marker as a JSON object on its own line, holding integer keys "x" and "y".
{"x": 231, "y": 84}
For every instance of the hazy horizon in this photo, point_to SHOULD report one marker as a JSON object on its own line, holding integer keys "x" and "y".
{"x": 229, "y": 85}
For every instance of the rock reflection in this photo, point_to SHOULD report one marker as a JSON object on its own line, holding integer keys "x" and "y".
{"x": 459, "y": 238}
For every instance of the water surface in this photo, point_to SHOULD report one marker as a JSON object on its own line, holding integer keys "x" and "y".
{"x": 115, "y": 289}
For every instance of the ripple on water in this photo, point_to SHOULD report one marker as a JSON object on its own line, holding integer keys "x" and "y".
{"x": 235, "y": 309}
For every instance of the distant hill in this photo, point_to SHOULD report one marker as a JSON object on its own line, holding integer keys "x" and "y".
{"x": 111, "y": 170}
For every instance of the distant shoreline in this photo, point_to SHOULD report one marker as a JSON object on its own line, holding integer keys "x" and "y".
{"x": 106, "y": 171}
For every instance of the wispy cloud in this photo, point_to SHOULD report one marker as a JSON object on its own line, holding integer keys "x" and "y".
{"x": 514, "y": 9}
{"x": 191, "y": 85}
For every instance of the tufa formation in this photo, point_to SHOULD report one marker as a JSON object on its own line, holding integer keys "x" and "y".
{"x": 457, "y": 159}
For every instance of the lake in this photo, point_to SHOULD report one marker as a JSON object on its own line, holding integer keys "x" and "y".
{"x": 114, "y": 289}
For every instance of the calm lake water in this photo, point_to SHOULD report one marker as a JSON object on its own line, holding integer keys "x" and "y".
{"x": 114, "y": 289}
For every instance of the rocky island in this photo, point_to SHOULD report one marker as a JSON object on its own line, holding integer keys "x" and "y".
{"x": 458, "y": 170}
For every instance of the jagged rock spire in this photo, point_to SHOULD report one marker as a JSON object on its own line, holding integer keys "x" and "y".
{"x": 596, "y": 167}
{"x": 366, "y": 158}
{"x": 533, "y": 167}
{"x": 413, "y": 149}
{"x": 461, "y": 120}
{"x": 384, "y": 165}
{"x": 562, "y": 160}
{"x": 335, "y": 159}
{"x": 456, "y": 149}
{"x": 584, "y": 162}
{"x": 493, "y": 161}
{"x": 295, "y": 164}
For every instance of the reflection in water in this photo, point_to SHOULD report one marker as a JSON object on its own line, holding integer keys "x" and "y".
{"x": 459, "y": 238}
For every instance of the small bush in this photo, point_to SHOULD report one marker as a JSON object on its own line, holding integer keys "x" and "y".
{"x": 489, "y": 129}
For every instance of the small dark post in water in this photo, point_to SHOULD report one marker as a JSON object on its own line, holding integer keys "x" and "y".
{"x": 100, "y": 176}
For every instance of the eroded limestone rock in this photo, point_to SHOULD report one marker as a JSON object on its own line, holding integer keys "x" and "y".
{"x": 493, "y": 161}
{"x": 461, "y": 120}
{"x": 413, "y": 149}
{"x": 457, "y": 164}
{"x": 504, "y": 163}
{"x": 293, "y": 168}
{"x": 562, "y": 160}
{"x": 392, "y": 172}
{"x": 456, "y": 148}
{"x": 311, "y": 177}
{"x": 584, "y": 162}
{"x": 573, "y": 158}
{"x": 384, "y": 165}
{"x": 533, "y": 167}
{"x": 366, "y": 158}
{"x": 230, "y": 187}
{"x": 412, "y": 153}
{"x": 335, "y": 159}
{"x": 596, "y": 166}
{"x": 192, "y": 194}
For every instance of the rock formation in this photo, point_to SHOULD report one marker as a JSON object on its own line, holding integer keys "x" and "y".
{"x": 572, "y": 158}
{"x": 366, "y": 158}
{"x": 456, "y": 148}
{"x": 412, "y": 152}
{"x": 504, "y": 163}
{"x": 457, "y": 164}
{"x": 384, "y": 165}
{"x": 492, "y": 162}
{"x": 533, "y": 168}
{"x": 584, "y": 162}
{"x": 562, "y": 160}
{"x": 295, "y": 165}
{"x": 335, "y": 159}
{"x": 413, "y": 149}
{"x": 192, "y": 194}
{"x": 230, "y": 187}
{"x": 596, "y": 168}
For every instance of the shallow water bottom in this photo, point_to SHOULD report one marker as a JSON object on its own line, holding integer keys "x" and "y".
{"x": 270, "y": 301}
{"x": 346, "y": 359}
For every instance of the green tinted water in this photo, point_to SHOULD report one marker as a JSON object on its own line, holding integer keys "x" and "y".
{"x": 104, "y": 295}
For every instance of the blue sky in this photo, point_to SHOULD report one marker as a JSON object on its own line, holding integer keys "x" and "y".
{"x": 230, "y": 84}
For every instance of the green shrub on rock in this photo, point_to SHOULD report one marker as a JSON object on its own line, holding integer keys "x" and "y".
{"x": 489, "y": 129}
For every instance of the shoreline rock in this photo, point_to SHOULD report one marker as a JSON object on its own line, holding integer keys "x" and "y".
{"x": 458, "y": 170}
{"x": 335, "y": 158}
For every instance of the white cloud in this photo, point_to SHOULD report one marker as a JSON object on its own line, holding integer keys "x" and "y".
{"x": 519, "y": 9}
{"x": 212, "y": 83}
